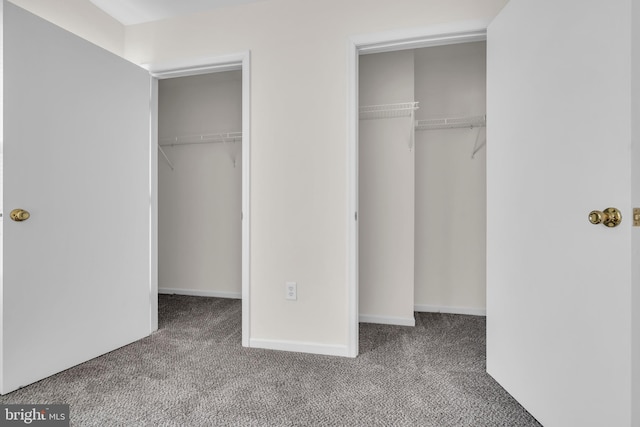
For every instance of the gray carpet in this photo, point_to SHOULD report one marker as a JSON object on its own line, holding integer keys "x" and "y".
{"x": 194, "y": 372}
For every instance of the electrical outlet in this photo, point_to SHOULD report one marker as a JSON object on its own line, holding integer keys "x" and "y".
{"x": 291, "y": 291}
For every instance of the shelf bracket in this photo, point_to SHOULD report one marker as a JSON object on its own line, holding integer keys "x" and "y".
{"x": 478, "y": 145}
{"x": 165, "y": 157}
{"x": 231, "y": 149}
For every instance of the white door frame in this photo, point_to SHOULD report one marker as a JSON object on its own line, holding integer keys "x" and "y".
{"x": 461, "y": 32}
{"x": 192, "y": 67}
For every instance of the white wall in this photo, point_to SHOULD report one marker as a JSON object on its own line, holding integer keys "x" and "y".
{"x": 200, "y": 200}
{"x": 386, "y": 192}
{"x": 82, "y": 18}
{"x": 299, "y": 146}
{"x": 450, "y": 268}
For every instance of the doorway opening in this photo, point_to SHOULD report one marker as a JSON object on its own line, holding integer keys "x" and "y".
{"x": 412, "y": 139}
{"x": 200, "y": 185}
{"x": 201, "y": 177}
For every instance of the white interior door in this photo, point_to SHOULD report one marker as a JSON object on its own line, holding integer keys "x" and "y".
{"x": 76, "y": 278}
{"x": 559, "y": 141}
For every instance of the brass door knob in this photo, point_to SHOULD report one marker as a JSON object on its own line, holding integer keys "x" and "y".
{"x": 609, "y": 217}
{"x": 19, "y": 215}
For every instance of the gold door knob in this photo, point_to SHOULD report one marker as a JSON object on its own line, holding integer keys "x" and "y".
{"x": 19, "y": 215}
{"x": 610, "y": 217}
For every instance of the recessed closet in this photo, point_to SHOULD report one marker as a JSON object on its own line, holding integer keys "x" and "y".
{"x": 200, "y": 185}
{"x": 422, "y": 182}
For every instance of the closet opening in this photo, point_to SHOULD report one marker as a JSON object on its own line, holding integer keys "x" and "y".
{"x": 419, "y": 179}
{"x": 200, "y": 185}
{"x": 202, "y": 202}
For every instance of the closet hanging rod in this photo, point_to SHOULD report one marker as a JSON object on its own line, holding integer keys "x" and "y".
{"x": 381, "y": 111}
{"x": 208, "y": 138}
{"x": 452, "y": 123}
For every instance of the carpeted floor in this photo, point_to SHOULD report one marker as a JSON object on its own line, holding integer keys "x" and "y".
{"x": 194, "y": 372}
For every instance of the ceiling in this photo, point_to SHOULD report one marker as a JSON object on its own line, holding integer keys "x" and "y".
{"x": 130, "y": 12}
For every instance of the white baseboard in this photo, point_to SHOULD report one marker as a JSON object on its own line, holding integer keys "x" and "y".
{"x": 450, "y": 310}
{"x": 200, "y": 293}
{"x": 300, "y": 347}
{"x": 387, "y": 320}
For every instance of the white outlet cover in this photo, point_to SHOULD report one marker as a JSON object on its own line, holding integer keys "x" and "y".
{"x": 291, "y": 291}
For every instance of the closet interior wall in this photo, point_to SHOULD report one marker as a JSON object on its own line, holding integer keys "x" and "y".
{"x": 386, "y": 192}
{"x": 200, "y": 193}
{"x": 422, "y": 203}
{"x": 451, "y": 199}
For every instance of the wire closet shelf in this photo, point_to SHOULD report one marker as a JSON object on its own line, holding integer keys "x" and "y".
{"x": 207, "y": 138}
{"x": 452, "y": 123}
{"x": 408, "y": 109}
{"x": 383, "y": 111}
